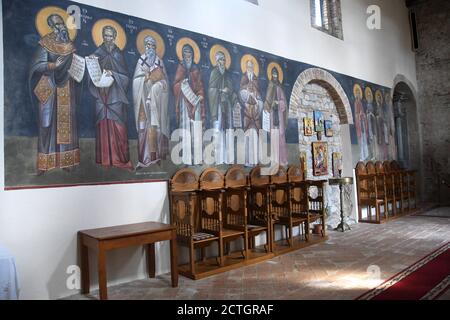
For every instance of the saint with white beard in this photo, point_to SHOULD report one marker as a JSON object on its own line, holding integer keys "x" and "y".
{"x": 189, "y": 99}
{"x": 253, "y": 106}
{"x": 151, "y": 98}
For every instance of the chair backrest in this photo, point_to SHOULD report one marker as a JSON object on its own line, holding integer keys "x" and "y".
{"x": 295, "y": 174}
{"x": 361, "y": 169}
{"x": 279, "y": 194}
{"x": 256, "y": 179}
{"x": 395, "y": 166}
{"x": 211, "y": 179}
{"x": 379, "y": 168}
{"x": 316, "y": 195}
{"x": 280, "y": 177}
{"x": 236, "y": 177}
{"x": 387, "y": 166}
{"x": 363, "y": 182}
{"x": 184, "y": 180}
{"x": 258, "y": 201}
{"x": 183, "y": 202}
{"x": 370, "y": 168}
{"x": 210, "y": 195}
{"x": 235, "y": 199}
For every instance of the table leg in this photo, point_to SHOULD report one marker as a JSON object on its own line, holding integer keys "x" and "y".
{"x": 173, "y": 260}
{"x": 102, "y": 274}
{"x": 85, "y": 285}
{"x": 151, "y": 260}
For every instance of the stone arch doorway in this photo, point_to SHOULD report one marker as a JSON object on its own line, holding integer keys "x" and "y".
{"x": 329, "y": 83}
{"x": 406, "y": 123}
{"x": 318, "y": 90}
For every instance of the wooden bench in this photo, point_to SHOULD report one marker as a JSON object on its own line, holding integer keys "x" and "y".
{"x": 104, "y": 239}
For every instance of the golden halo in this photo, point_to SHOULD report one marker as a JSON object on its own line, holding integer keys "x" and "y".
{"x": 212, "y": 55}
{"x": 189, "y": 41}
{"x": 160, "y": 46}
{"x": 245, "y": 58}
{"x": 97, "y": 32}
{"x": 379, "y": 96}
{"x": 41, "y": 21}
{"x": 278, "y": 67}
{"x": 357, "y": 90}
{"x": 369, "y": 94}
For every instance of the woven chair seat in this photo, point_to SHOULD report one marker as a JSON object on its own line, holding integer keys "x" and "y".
{"x": 202, "y": 236}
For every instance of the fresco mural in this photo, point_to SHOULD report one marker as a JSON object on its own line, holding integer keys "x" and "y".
{"x": 94, "y": 96}
{"x": 373, "y": 123}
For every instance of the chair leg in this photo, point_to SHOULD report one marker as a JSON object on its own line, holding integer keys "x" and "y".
{"x": 291, "y": 237}
{"x": 386, "y": 209}
{"x": 192, "y": 258}
{"x": 269, "y": 240}
{"x": 300, "y": 230}
{"x": 267, "y": 247}
{"x": 247, "y": 252}
{"x": 377, "y": 213}
{"x": 394, "y": 207}
{"x": 323, "y": 232}
{"x": 307, "y": 230}
{"x": 272, "y": 238}
{"x": 286, "y": 231}
{"x": 405, "y": 208}
{"x": 221, "y": 256}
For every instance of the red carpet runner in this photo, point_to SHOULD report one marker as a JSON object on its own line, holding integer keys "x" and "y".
{"x": 427, "y": 279}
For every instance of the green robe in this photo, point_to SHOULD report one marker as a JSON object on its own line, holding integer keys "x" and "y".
{"x": 228, "y": 100}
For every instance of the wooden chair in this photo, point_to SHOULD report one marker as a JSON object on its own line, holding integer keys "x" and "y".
{"x": 298, "y": 200}
{"x": 258, "y": 206}
{"x": 401, "y": 185}
{"x": 391, "y": 179}
{"x": 213, "y": 208}
{"x": 385, "y": 187}
{"x": 280, "y": 206}
{"x": 367, "y": 192}
{"x": 412, "y": 187}
{"x": 316, "y": 204}
{"x": 235, "y": 198}
{"x": 184, "y": 208}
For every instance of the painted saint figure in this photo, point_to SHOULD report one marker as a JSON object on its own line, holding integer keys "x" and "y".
{"x": 189, "y": 96}
{"x": 383, "y": 139}
{"x": 389, "y": 113}
{"x": 111, "y": 138}
{"x": 56, "y": 95}
{"x": 361, "y": 123}
{"x": 276, "y": 105}
{"x": 151, "y": 98}
{"x": 253, "y": 106}
{"x": 372, "y": 124}
{"x": 222, "y": 101}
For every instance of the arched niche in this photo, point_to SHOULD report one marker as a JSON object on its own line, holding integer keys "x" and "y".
{"x": 318, "y": 90}
{"x": 407, "y": 129}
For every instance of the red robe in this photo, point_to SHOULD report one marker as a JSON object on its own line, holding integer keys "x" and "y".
{"x": 195, "y": 81}
{"x": 111, "y": 143}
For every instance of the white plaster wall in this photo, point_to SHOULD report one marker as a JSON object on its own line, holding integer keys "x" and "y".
{"x": 39, "y": 226}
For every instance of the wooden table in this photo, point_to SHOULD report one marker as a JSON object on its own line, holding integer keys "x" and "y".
{"x": 103, "y": 239}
